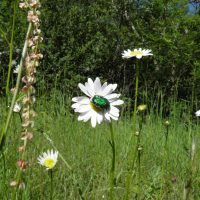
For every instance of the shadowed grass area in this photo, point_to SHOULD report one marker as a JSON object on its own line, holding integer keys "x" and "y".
{"x": 164, "y": 169}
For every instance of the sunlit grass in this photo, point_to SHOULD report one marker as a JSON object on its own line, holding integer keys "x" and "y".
{"x": 88, "y": 152}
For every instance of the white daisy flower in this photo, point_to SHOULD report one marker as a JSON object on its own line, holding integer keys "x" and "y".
{"x": 197, "y": 113}
{"x": 48, "y": 159}
{"x": 17, "y": 107}
{"x": 99, "y": 102}
{"x": 138, "y": 53}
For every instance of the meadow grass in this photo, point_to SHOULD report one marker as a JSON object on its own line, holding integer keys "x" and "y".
{"x": 165, "y": 170}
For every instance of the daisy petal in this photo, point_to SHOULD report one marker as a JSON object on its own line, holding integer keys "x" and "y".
{"x": 84, "y": 116}
{"x": 84, "y": 89}
{"x": 81, "y": 99}
{"x": 107, "y": 90}
{"x": 90, "y": 90}
{"x": 83, "y": 108}
{"x": 99, "y": 118}
{"x": 117, "y": 103}
{"x": 97, "y": 85}
{"x": 94, "y": 119}
{"x": 112, "y": 96}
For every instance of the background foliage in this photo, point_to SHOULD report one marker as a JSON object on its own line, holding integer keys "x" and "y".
{"x": 85, "y": 39}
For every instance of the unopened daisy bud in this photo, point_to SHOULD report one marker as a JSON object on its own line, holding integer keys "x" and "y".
{"x": 137, "y": 133}
{"x": 142, "y": 107}
{"x": 166, "y": 123}
{"x": 140, "y": 148}
{"x": 17, "y": 107}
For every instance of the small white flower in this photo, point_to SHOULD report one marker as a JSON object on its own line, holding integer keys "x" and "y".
{"x": 138, "y": 53}
{"x": 16, "y": 70}
{"x": 99, "y": 104}
{"x": 48, "y": 159}
{"x": 197, "y": 113}
{"x": 17, "y": 107}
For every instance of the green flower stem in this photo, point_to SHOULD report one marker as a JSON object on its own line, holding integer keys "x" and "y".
{"x": 112, "y": 171}
{"x": 131, "y": 152}
{"x": 166, "y": 136}
{"x": 51, "y": 177}
{"x": 139, "y": 149}
{"x": 5, "y": 128}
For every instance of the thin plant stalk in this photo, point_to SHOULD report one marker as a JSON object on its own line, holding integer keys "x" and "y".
{"x": 5, "y": 128}
{"x": 131, "y": 156}
{"x": 51, "y": 177}
{"x": 112, "y": 170}
{"x": 60, "y": 155}
{"x": 165, "y": 157}
{"x": 11, "y": 51}
{"x": 4, "y": 171}
{"x": 139, "y": 149}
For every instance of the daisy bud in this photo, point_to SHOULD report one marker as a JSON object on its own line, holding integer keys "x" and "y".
{"x": 166, "y": 123}
{"x": 142, "y": 107}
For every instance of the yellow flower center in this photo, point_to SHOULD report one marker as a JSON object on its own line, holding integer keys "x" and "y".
{"x": 135, "y": 53}
{"x": 49, "y": 163}
{"x": 95, "y": 108}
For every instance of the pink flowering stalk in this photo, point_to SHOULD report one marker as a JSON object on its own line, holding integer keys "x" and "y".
{"x": 29, "y": 61}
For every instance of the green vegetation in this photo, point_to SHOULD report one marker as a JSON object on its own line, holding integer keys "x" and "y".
{"x": 86, "y": 38}
{"x": 152, "y": 152}
{"x": 164, "y": 171}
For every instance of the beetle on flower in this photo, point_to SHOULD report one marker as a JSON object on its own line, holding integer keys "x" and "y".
{"x": 99, "y": 102}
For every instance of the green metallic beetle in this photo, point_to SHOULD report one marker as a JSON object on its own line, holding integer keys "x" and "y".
{"x": 100, "y": 102}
